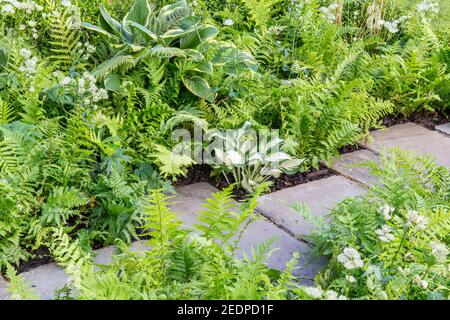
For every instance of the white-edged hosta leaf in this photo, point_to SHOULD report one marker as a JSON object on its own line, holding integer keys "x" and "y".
{"x": 199, "y": 87}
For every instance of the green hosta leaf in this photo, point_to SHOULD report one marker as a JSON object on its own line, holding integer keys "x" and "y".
{"x": 199, "y": 87}
{"x": 198, "y": 36}
{"x": 144, "y": 32}
{"x": 95, "y": 28}
{"x": 108, "y": 23}
{"x": 113, "y": 83}
{"x": 140, "y": 13}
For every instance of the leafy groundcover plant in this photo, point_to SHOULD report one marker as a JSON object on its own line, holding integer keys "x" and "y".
{"x": 392, "y": 243}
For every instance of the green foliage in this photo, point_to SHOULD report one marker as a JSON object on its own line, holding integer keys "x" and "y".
{"x": 400, "y": 229}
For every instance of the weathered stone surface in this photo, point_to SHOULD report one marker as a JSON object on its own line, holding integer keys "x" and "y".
{"x": 320, "y": 196}
{"x": 345, "y": 165}
{"x": 3, "y": 289}
{"x": 263, "y": 230}
{"x": 46, "y": 279}
{"x": 410, "y": 136}
{"x": 189, "y": 204}
{"x": 189, "y": 201}
{"x": 444, "y": 128}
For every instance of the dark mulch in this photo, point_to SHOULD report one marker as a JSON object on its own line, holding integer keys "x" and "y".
{"x": 202, "y": 173}
{"x": 424, "y": 118}
{"x": 41, "y": 256}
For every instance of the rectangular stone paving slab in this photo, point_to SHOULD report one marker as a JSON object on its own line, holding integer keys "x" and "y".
{"x": 320, "y": 196}
{"x": 3, "y": 289}
{"x": 190, "y": 202}
{"x": 345, "y": 165}
{"x": 444, "y": 128}
{"x": 410, "y": 136}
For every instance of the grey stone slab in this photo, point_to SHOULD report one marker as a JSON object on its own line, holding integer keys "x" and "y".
{"x": 410, "y": 136}
{"x": 444, "y": 128}
{"x": 3, "y": 289}
{"x": 46, "y": 279}
{"x": 190, "y": 202}
{"x": 320, "y": 196}
{"x": 285, "y": 245}
{"x": 346, "y": 165}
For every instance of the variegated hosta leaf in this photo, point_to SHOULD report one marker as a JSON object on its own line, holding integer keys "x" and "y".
{"x": 278, "y": 157}
{"x": 139, "y": 13}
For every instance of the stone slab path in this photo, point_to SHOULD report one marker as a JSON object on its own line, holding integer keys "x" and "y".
{"x": 444, "y": 128}
{"x": 278, "y": 220}
{"x": 190, "y": 203}
{"x": 410, "y": 136}
{"x": 347, "y": 165}
{"x": 320, "y": 196}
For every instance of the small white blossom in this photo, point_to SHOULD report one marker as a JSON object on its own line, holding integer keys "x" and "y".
{"x": 25, "y": 53}
{"x": 350, "y": 279}
{"x": 228, "y": 22}
{"x": 313, "y": 292}
{"x": 32, "y": 23}
{"x": 413, "y": 218}
{"x": 426, "y": 5}
{"x": 409, "y": 257}
{"x": 385, "y": 233}
{"x": 439, "y": 251}
{"x": 8, "y": 9}
{"x": 333, "y": 295}
{"x": 65, "y": 81}
{"x": 350, "y": 258}
{"x": 386, "y": 211}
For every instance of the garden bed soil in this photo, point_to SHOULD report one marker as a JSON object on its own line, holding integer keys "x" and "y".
{"x": 427, "y": 119}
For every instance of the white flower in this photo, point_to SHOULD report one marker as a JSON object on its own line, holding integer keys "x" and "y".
{"x": 8, "y": 9}
{"x": 25, "y": 53}
{"x": 350, "y": 258}
{"x": 418, "y": 281}
{"x": 333, "y": 295}
{"x": 313, "y": 292}
{"x": 32, "y": 23}
{"x": 439, "y": 251}
{"x": 386, "y": 211}
{"x": 413, "y": 218}
{"x": 409, "y": 257}
{"x": 385, "y": 234}
{"x": 426, "y": 5}
{"x": 66, "y": 3}
{"x": 65, "y": 81}
{"x": 350, "y": 279}
{"x": 22, "y": 27}
{"x": 228, "y": 22}
{"x": 392, "y": 26}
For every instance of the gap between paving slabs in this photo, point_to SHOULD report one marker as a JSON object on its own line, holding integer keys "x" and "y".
{"x": 47, "y": 278}
{"x": 320, "y": 196}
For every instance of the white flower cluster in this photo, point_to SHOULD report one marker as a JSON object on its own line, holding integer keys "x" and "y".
{"x": 439, "y": 251}
{"x": 10, "y": 7}
{"x": 385, "y": 233}
{"x": 330, "y": 11}
{"x": 418, "y": 281}
{"x": 386, "y": 210}
{"x": 427, "y": 5}
{"x": 319, "y": 293}
{"x": 392, "y": 26}
{"x": 86, "y": 50}
{"x": 350, "y": 258}
{"x": 87, "y": 89}
{"x": 32, "y": 25}
{"x": 416, "y": 220}
{"x": 228, "y": 22}
{"x": 275, "y": 30}
{"x": 29, "y": 65}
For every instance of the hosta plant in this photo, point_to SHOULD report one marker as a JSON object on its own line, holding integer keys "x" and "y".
{"x": 250, "y": 159}
{"x": 175, "y": 36}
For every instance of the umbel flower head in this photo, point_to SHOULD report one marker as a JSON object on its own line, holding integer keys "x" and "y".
{"x": 385, "y": 233}
{"x": 418, "y": 221}
{"x": 350, "y": 258}
{"x": 439, "y": 251}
